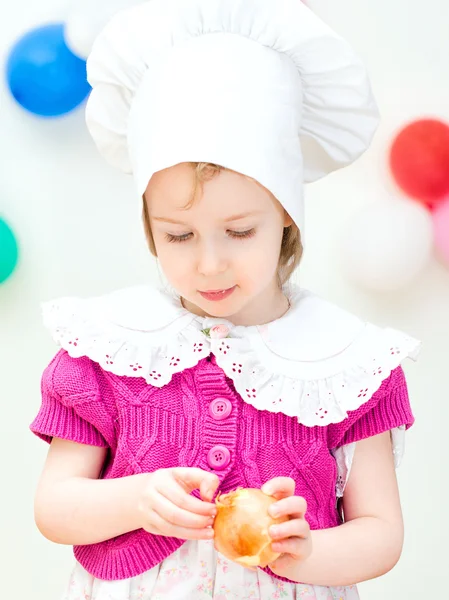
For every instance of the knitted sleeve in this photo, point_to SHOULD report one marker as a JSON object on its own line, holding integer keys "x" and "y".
{"x": 388, "y": 408}
{"x": 70, "y": 407}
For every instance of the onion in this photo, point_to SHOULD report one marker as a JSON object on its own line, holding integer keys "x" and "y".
{"x": 241, "y": 527}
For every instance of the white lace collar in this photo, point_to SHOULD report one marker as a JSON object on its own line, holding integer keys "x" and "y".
{"x": 317, "y": 362}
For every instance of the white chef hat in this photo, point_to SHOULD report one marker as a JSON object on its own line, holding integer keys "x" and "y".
{"x": 262, "y": 87}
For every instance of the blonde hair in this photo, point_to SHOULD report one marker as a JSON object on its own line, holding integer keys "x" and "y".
{"x": 291, "y": 246}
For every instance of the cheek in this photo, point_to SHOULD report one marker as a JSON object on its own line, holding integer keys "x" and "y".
{"x": 259, "y": 261}
{"x": 174, "y": 260}
{"x": 256, "y": 267}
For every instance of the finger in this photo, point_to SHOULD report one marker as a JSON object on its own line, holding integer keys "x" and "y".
{"x": 294, "y": 507}
{"x": 197, "y": 479}
{"x": 279, "y": 487}
{"x": 178, "y": 516}
{"x": 281, "y": 565}
{"x": 296, "y": 547}
{"x": 184, "y": 533}
{"x": 176, "y": 494}
{"x": 294, "y": 528}
{"x": 209, "y": 488}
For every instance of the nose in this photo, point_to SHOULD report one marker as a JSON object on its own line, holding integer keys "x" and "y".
{"x": 211, "y": 259}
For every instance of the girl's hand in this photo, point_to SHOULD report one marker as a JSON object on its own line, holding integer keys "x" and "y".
{"x": 292, "y": 538}
{"x": 167, "y": 508}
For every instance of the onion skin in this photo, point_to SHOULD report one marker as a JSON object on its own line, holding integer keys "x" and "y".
{"x": 241, "y": 527}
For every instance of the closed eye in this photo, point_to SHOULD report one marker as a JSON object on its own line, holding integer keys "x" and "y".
{"x": 242, "y": 234}
{"x": 233, "y": 234}
{"x": 177, "y": 238}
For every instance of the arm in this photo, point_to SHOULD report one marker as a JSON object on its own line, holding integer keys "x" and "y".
{"x": 369, "y": 543}
{"x": 74, "y": 507}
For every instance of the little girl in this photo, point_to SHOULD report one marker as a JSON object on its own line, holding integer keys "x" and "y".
{"x": 159, "y": 400}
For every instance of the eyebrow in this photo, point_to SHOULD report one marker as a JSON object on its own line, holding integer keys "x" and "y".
{"x": 228, "y": 220}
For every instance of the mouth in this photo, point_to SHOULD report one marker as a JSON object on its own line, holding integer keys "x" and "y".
{"x": 216, "y": 295}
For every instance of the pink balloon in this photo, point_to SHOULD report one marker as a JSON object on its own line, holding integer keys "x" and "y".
{"x": 441, "y": 228}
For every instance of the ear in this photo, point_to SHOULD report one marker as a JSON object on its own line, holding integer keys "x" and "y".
{"x": 287, "y": 219}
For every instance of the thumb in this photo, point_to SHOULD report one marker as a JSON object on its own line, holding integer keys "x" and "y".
{"x": 280, "y": 565}
{"x": 197, "y": 479}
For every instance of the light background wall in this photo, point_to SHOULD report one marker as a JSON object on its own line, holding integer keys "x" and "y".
{"x": 77, "y": 221}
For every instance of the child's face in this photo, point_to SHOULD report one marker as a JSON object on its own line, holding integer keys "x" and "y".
{"x": 228, "y": 240}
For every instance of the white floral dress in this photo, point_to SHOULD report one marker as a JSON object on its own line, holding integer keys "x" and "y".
{"x": 197, "y": 572}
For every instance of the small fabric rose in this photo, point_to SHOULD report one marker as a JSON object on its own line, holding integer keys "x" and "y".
{"x": 218, "y": 332}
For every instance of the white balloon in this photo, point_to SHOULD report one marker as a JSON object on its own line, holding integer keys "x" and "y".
{"x": 387, "y": 244}
{"x": 86, "y": 19}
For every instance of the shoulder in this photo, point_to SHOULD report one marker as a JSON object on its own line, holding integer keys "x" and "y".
{"x": 85, "y": 327}
{"x": 313, "y": 328}
{"x": 388, "y": 409}
{"x": 129, "y": 332}
{"x": 140, "y": 307}
{"x": 318, "y": 339}
{"x": 79, "y": 325}
{"x": 392, "y": 390}
{"x": 321, "y": 363}
{"x": 66, "y": 377}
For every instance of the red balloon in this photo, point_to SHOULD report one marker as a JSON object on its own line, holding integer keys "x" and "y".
{"x": 419, "y": 160}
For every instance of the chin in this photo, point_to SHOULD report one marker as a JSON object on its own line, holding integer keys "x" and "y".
{"x": 222, "y": 309}
{"x": 215, "y": 311}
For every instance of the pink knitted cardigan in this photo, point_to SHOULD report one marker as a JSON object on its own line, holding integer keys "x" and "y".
{"x": 147, "y": 428}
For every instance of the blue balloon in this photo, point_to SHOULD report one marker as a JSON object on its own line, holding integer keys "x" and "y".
{"x": 43, "y": 75}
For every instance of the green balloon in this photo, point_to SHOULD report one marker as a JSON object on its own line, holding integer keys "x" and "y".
{"x": 9, "y": 252}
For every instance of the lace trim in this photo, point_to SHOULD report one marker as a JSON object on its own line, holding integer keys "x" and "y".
{"x": 317, "y": 392}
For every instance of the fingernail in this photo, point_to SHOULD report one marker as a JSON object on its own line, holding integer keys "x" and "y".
{"x": 274, "y": 531}
{"x": 277, "y": 547}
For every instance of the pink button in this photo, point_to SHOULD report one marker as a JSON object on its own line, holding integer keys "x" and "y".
{"x": 219, "y": 457}
{"x": 220, "y": 408}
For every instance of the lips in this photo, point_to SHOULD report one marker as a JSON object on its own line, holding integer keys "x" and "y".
{"x": 216, "y": 295}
